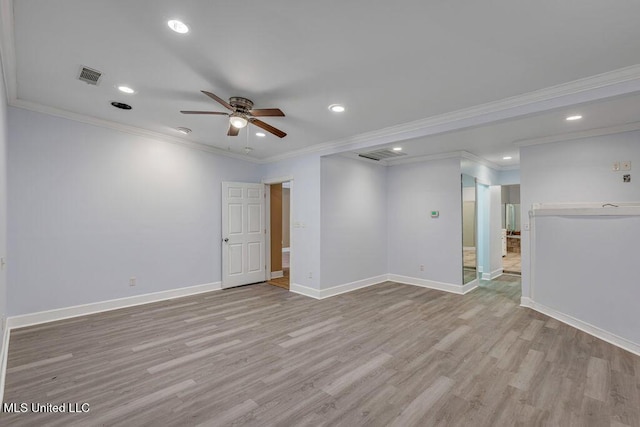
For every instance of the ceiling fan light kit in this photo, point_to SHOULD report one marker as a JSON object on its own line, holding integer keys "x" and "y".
{"x": 237, "y": 121}
{"x": 243, "y": 113}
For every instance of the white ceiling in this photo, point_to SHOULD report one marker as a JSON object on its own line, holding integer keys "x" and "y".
{"x": 389, "y": 63}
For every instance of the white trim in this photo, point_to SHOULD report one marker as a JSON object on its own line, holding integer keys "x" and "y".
{"x": 586, "y": 209}
{"x": 423, "y": 158}
{"x": 605, "y": 85}
{"x": 352, "y": 286}
{"x": 304, "y": 290}
{"x": 466, "y": 288}
{"x": 7, "y": 50}
{"x": 286, "y": 249}
{"x": 490, "y": 276}
{"x": 337, "y": 290}
{"x": 4, "y": 355}
{"x": 132, "y": 130}
{"x": 348, "y": 287}
{"x": 583, "y": 326}
{"x": 277, "y": 274}
{"x": 480, "y": 160}
{"x": 609, "y": 130}
{"x": 496, "y": 273}
{"x": 114, "y": 304}
{"x": 277, "y": 180}
{"x": 432, "y": 284}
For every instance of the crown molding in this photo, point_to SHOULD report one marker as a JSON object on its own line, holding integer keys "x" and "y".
{"x": 613, "y": 83}
{"x": 133, "y": 130}
{"x": 610, "y": 130}
{"x": 480, "y": 160}
{"x": 7, "y": 49}
{"x": 426, "y": 158}
{"x": 616, "y": 82}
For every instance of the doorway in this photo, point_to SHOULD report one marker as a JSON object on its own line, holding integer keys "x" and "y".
{"x": 511, "y": 232}
{"x": 279, "y": 234}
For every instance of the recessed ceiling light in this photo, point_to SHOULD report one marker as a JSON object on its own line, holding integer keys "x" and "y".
{"x": 397, "y": 148}
{"x": 507, "y": 158}
{"x": 126, "y": 89}
{"x": 121, "y": 105}
{"x": 178, "y": 26}
{"x": 184, "y": 130}
{"x": 576, "y": 117}
{"x": 337, "y": 108}
{"x": 261, "y": 134}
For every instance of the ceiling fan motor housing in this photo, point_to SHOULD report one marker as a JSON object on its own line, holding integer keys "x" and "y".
{"x": 241, "y": 105}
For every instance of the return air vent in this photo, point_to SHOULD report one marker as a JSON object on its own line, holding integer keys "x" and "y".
{"x": 381, "y": 154}
{"x": 89, "y": 75}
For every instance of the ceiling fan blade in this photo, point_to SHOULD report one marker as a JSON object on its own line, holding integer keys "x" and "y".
{"x": 268, "y": 127}
{"x": 217, "y": 113}
{"x": 233, "y": 131}
{"x": 267, "y": 112}
{"x": 220, "y": 100}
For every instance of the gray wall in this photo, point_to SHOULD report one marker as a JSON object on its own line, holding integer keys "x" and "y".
{"x": 596, "y": 287}
{"x": 415, "y": 238}
{"x": 354, "y": 221}
{"x": 305, "y": 211}
{"x": 3, "y": 198}
{"x": 91, "y": 207}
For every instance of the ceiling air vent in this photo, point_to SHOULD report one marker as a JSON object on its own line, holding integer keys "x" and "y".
{"x": 381, "y": 154}
{"x": 89, "y": 75}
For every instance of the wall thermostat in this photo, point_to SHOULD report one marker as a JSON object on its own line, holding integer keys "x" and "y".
{"x": 435, "y": 214}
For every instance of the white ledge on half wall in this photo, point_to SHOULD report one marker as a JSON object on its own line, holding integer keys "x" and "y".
{"x": 586, "y": 209}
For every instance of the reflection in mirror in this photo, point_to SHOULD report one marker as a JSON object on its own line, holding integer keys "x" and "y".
{"x": 468, "y": 229}
{"x": 511, "y": 259}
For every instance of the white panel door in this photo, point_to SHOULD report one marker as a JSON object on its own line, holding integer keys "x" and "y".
{"x": 243, "y": 234}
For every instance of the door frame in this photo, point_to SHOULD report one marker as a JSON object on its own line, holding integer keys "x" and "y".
{"x": 267, "y": 191}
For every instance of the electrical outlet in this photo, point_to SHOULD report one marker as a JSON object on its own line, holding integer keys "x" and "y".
{"x": 132, "y": 281}
{"x": 2, "y": 264}
{"x": 616, "y": 166}
{"x": 421, "y": 267}
{"x": 625, "y": 166}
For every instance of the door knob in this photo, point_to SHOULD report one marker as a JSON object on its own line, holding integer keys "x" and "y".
{"x": 226, "y": 240}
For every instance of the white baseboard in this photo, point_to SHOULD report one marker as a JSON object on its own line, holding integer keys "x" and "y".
{"x": 337, "y": 290}
{"x": 492, "y": 275}
{"x": 468, "y": 287}
{"x": 616, "y": 340}
{"x": 352, "y": 286}
{"x": 277, "y": 274}
{"x": 114, "y": 304}
{"x": 4, "y": 355}
{"x": 304, "y": 290}
{"x": 432, "y": 284}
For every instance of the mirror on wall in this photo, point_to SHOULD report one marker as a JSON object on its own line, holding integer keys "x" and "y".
{"x": 511, "y": 247}
{"x": 469, "y": 207}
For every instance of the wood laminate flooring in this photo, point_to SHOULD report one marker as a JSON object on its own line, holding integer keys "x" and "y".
{"x": 388, "y": 354}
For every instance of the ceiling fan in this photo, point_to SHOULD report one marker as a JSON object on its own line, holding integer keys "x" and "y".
{"x": 242, "y": 112}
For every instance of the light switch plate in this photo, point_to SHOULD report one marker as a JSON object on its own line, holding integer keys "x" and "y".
{"x": 626, "y": 165}
{"x": 615, "y": 167}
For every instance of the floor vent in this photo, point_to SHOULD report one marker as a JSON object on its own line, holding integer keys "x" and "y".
{"x": 89, "y": 75}
{"x": 381, "y": 154}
